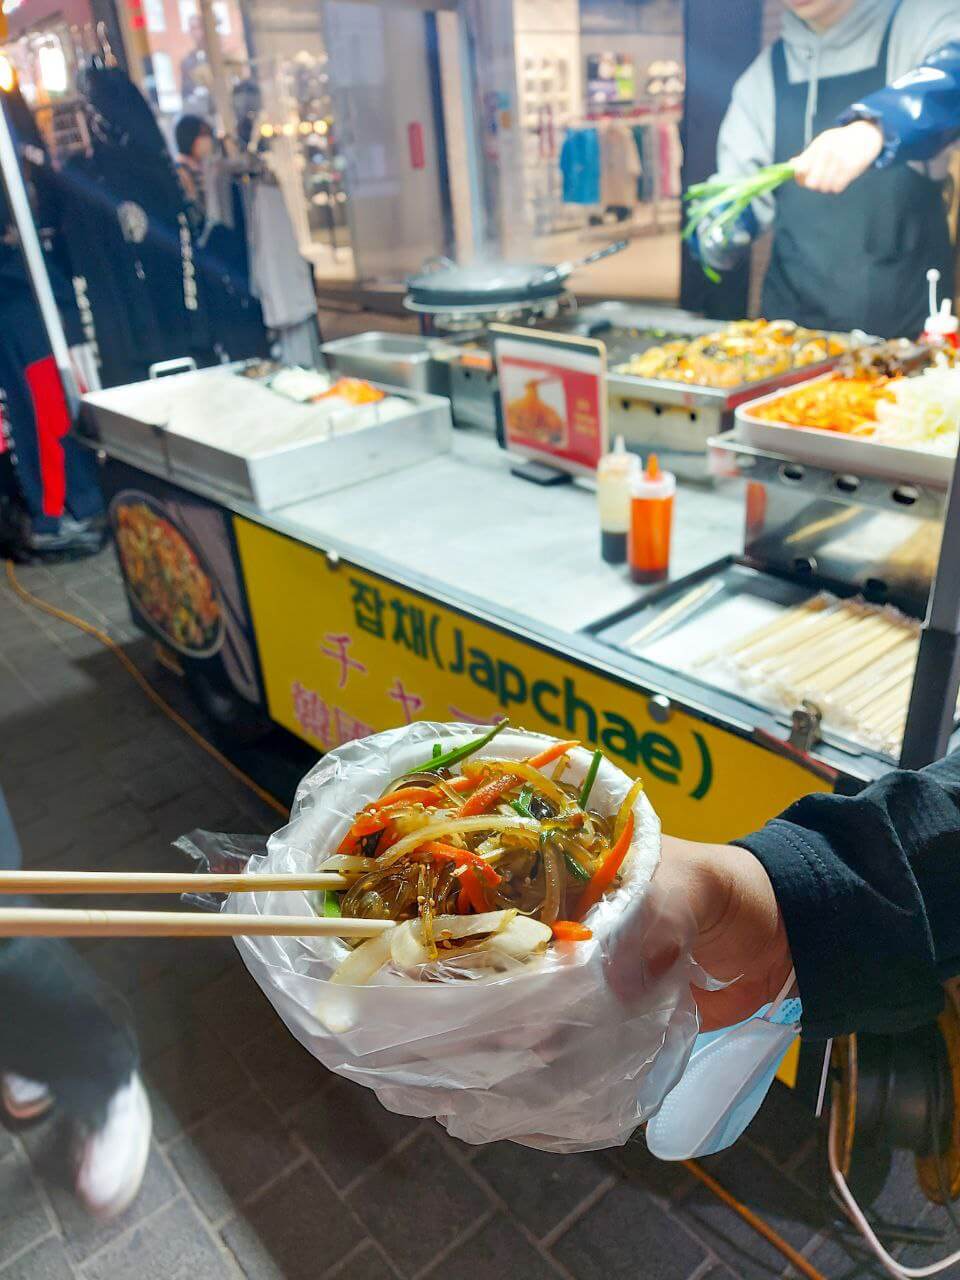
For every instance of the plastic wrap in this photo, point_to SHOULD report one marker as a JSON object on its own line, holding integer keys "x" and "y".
{"x": 548, "y": 1055}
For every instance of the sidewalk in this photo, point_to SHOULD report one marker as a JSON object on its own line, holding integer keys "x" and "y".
{"x": 263, "y": 1164}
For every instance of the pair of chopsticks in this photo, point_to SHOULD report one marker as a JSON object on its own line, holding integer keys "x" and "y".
{"x": 16, "y": 922}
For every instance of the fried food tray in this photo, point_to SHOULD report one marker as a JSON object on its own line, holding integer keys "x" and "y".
{"x": 722, "y": 399}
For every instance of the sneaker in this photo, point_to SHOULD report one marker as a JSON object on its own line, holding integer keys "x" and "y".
{"x": 112, "y": 1160}
{"x": 24, "y": 1099}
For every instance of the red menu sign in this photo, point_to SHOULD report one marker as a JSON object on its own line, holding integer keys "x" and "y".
{"x": 553, "y": 392}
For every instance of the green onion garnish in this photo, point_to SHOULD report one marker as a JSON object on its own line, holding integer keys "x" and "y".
{"x": 590, "y": 779}
{"x": 436, "y": 763}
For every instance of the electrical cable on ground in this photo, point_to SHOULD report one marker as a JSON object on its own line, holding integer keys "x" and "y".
{"x": 156, "y": 698}
{"x": 753, "y": 1220}
{"x": 796, "y": 1259}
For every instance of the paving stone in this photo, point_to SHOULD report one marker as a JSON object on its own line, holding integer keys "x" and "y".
{"x": 232, "y": 1156}
{"x": 173, "y": 1244}
{"x": 366, "y": 1264}
{"x": 189, "y": 1081}
{"x": 783, "y": 1126}
{"x": 84, "y": 1235}
{"x": 235, "y": 1008}
{"x": 662, "y": 1179}
{"x": 499, "y": 1249}
{"x": 627, "y": 1235}
{"x": 347, "y": 1129}
{"x": 46, "y": 1261}
{"x": 393, "y": 1200}
{"x": 284, "y": 1070}
{"x": 295, "y": 1231}
{"x": 160, "y": 785}
{"x": 7, "y": 1143}
{"x": 752, "y": 1179}
{"x": 541, "y": 1189}
{"x": 23, "y": 1218}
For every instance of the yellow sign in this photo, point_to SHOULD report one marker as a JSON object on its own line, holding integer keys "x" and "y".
{"x": 345, "y": 653}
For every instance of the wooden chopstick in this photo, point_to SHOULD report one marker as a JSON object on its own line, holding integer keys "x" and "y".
{"x": 19, "y": 922}
{"x": 43, "y": 882}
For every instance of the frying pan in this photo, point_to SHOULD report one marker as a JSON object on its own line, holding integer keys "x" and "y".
{"x": 443, "y": 285}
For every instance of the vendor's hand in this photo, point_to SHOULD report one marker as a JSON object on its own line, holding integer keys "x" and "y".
{"x": 739, "y": 931}
{"x": 838, "y": 157}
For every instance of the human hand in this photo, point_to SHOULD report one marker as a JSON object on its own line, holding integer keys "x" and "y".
{"x": 838, "y": 157}
{"x": 739, "y": 932}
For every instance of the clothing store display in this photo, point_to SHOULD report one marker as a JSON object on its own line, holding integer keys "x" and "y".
{"x": 580, "y": 166}
{"x": 620, "y": 165}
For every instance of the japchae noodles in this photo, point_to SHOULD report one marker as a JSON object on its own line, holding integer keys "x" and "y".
{"x": 469, "y": 856}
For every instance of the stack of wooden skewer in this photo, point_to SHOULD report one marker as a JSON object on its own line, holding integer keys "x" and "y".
{"x": 84, "y": 923}
{"x": 852, "y": 660}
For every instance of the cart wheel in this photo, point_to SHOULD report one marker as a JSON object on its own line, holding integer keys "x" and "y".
{"x": 233, "y": 720}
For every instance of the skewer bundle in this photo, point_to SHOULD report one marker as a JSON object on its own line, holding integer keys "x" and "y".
{"x": 853, "y": 660}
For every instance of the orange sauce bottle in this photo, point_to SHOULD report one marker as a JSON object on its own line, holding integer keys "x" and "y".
{"x": 651, "y": 522}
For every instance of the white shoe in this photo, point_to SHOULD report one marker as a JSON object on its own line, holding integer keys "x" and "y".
{"x": 24, "y": 1099}
{"x": 113, "y": 1159}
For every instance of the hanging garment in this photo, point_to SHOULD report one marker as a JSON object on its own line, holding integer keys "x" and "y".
{"x": 279, "y": 276}
{"x": 580, "y": 166}
{"x": 856, "y": 260}
{"x": 670, "y": 159}
{"x": 55, "y": 476}
{"x": 620, "y": 165}
{"x": 300, "y": 345}
{"x": 650, "y": 160}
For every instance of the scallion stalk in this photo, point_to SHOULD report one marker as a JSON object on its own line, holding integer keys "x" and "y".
{"x": 590, "y": 779}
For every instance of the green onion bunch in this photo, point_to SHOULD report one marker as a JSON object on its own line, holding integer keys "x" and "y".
{"x": 724, "y": 200}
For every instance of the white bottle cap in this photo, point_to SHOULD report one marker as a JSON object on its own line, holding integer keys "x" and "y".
{"x": 944, "y": 323}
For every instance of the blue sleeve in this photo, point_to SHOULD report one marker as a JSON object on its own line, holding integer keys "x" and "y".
{"x": 919, "y": 113}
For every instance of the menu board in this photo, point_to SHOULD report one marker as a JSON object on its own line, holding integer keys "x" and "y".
{"x": 553, "y": 392}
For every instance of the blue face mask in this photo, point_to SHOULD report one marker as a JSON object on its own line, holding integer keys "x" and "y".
{"x": 725, "y": 1082}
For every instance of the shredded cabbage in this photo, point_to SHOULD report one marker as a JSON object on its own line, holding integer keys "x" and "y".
{"x": 923, "y": 414}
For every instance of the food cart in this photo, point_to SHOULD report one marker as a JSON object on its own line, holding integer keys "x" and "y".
{"x": 420, "y": 579}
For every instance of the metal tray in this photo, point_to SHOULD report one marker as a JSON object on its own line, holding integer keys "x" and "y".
{"x": 838, "y": 452}
{"x": 391, "y": 359}
{"x": 722, "y": 399}
{"x": 242, "y": 439}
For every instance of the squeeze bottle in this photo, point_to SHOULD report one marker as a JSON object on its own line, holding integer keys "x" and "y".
{"x": 943, "y": 327}
{"x": 651, "y": 522}
{"x": 615, "y": 474}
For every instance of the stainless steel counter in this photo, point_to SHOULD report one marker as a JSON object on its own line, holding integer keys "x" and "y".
{"x": 463, "y": 520}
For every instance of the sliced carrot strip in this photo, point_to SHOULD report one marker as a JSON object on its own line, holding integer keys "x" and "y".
{"x": 552, "y": 753}
{"x": 487, "y": 795}
{"x": 605, "y": 874}
{"x": 571, "y": 931}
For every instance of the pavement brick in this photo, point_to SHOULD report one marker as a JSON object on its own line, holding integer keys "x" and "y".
{"x": 626, "y": 1235}
{"x": 189, "y": 1081}
{"x": 347, "y": 1130}
{"x": 284, "y": 1070}
{"x": 235, "y": 1008}
{"x": 539, "y": 1188}
{"x": 23, "y": 1218}
{"x": 365, "y": 1264}
{"x": 497, "y": 1250}
{"x": 417, "y": 1203}
{"x": 296, "y": 1231}
{"x": 46, "y": 1261}
{"x": 173, "y": 1244}
{"x": 664, "y": 1180}
{"x": 751, "y": 1178}
{"x": 230, "y": 1157}
{"x": 82, "y": 1234}
{"x": 783, "y": 1125}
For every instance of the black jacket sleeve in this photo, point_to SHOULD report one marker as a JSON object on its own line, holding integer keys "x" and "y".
{"x": 869, "y": 887}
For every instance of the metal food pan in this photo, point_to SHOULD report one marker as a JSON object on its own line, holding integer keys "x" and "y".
{"x": 838, "y": 452}
{"x": 275, "y": 476}
{"x": 721, "y": 399}
{"x": 390, "y": 359}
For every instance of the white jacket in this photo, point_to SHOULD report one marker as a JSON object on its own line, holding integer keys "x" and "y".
{"x": 747, "y": 135}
